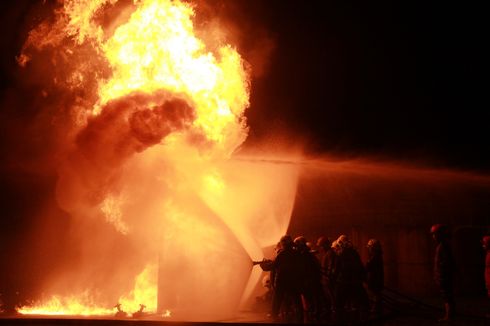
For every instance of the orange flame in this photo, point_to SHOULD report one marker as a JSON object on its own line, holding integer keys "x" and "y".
{"x": 82, "y": 304}
{"x": 145, "y": 291}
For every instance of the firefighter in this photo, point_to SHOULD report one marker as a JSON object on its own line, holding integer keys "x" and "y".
{"x": 326, "y": 256}
{"x": 375, "y": 275}
{"x": 349, "y": 275}
{"x": 311, "y": 290}
{"x": 287, "y": 282}
{"x": 443, "y": 269}
{"x": 486, "y": 247}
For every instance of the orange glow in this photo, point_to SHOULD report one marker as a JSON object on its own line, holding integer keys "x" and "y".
{"x": 156, "y": 49}
{"x": 145, "y": 291}
{"x": 160, "y": 180}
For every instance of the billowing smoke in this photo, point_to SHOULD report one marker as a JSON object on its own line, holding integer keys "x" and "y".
{"x": 125, "y": 127}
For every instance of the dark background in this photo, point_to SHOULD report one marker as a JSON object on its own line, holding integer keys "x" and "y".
{"x": 397, "y": 81}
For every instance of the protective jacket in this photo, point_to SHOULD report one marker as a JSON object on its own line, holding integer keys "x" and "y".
{"x": 443, "y": 265}
{"x": 375, "y": 273}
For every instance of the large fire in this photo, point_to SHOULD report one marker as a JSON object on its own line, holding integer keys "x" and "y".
{"x": 156, "y": 115}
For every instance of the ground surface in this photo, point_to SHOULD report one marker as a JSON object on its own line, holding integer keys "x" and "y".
{"x": 398, "y": 311}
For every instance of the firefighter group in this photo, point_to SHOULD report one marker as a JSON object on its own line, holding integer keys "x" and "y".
{"x": 324, "y": 282}
{"x": 327, "y": 282}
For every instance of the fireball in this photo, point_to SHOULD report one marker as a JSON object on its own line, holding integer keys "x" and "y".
{"x": 156, "y": 116}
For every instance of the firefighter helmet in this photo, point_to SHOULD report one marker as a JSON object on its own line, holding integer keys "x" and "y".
{"x": 324, "y": 242}
{"x": 373, "y": 243}
{"x": 300, "y": 241}
{"x": 486, "y": 242}
{"x": 343, "y": 242}
{"x": 286, "y": 241}
{"x": 438, "y": 229}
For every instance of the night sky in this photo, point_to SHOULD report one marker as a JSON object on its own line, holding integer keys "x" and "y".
{"x": 402, "y": 81}
{"x": 384, "y": 80}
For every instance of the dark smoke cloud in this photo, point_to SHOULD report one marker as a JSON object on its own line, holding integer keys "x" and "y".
{"x": 128, "y": 125}
{"x": 150, "y": 126}
{"x": 124, "y": 127}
